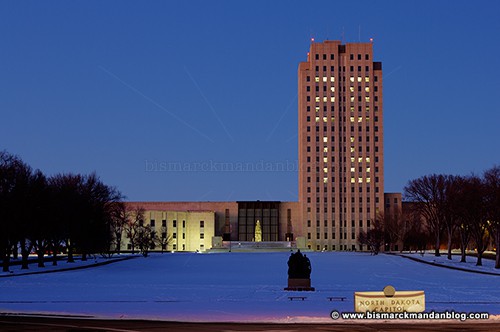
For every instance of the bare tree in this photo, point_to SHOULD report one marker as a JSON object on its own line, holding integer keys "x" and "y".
{"x": 132, "y": 228}
{"x": 146, "y": 239}
{"x": 374, "y": 237}
{"x": 492, "y": 184}
{"x": 120, "y": 217}
{"x": 474, "y": 213}
{"x": 429, "y": 192}
{"x": 163, "y": 239}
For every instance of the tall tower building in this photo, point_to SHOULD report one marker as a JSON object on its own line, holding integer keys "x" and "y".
{"x": 341, "y": 151}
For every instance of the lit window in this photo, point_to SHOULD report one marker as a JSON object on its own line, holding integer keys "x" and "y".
{"x": 368, "y": 109}
{"x": 316, "y": 79}
{"x": 351, "y": 88}
{"x": 351, "y": 79}
{"x": 325, "y": 169}
{"x": 325, "y": 139}
{"x": 352, "y": 180}
{"x": 367, "y": 99}
{"x": 368, "y": 169}
{"x": 317, "y": 99}
{"x": 325, "y": 149}
{"x": 352, "y": 119}
{"x": 367, "y": 89}
{"x": 325, "y": 119}
{"x": 367, "y": 180}
{"x": 367, "y": 159}
{"x": 324, "y": 79}
{"x": 359, "y": 78}
{"x": 360, "y": 119}
{"x": 360, "y": 180}
{"x": 332, "y": 89}
{"x": 352, "y": 139}
{"x": 325, "y": 180}
{"x": 332, "y": 79}
{"x": 317, "y": 119}
{"x": 352, "y": 159}
{"x": 325, "y": 99}
{"x": 352, "y": 108}
{"x": 360, "y": 160}
{"x": 367, "y": 79}
{"x": 352, "y": 99}
{"x": 332, "y": 99}
{"x": 352, "y": 150}
{"x": 325, "y": 159}
{"x": 353, "y": 169}
{"x": 333, "y": 118}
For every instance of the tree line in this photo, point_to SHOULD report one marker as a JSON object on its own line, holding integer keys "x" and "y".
{"x": 464, "y": 211}
{"x": 69, "y": 213}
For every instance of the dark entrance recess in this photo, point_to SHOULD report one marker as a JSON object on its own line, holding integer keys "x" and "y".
{"x": 267, "y": 212}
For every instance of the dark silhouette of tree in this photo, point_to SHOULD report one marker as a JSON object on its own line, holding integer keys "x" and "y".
{"x": 474, "y": 213}
{"x": 374, "y": 237}
{"x": 146, "y": 239}
{"x": 492, "y": 191}
{"x": 133, "y": 225}
{"x": 14, "y": 188}
{"x": 430, "y": 194}
{"x": 163, "y": 240}
{"x": 120, "y": 216}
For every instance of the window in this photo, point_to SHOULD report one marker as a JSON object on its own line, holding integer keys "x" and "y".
{"x": 174, "y": 223}
{"x": 174, "y": 236}
{"x": 202, "y": 223}
{"x": 202, "y": 236}
{"x": 359, "y": 56}
{"x": 351, "y": 57}
{"x": 308, "y": 78}
{"x": 183, "y": 236}
{"x": 332, "y": 56}
{"x": 163, "y": 223}
{"x": 184, "y": 224}
{"x": 308, "y": 236}
{"x": 164, "y": 235}
{"x": 174, "y": 247}
{"x": 316, "y": 56}
{"x": 309, "y": 223}
{"x": 324, "y": 56}
{"x": 152, "y": 223}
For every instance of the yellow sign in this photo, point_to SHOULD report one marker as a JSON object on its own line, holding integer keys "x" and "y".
{"x": 389, "y": 300}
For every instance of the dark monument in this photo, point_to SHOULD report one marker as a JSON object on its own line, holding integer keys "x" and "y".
{"x": 299, "y": 273}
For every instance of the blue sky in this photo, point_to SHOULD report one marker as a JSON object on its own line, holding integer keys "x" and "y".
{"x": 124, "y": 87}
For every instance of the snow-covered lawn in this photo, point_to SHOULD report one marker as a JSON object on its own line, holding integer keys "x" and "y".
{"x": 240, "y": 287}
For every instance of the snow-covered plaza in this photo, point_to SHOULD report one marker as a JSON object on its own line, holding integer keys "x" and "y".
{"x": 246, "y": 287}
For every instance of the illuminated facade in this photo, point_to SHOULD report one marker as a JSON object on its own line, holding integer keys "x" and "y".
{"x": 341, "y": 158}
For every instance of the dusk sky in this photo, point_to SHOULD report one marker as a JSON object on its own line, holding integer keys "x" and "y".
{"x": 125, "y": 88}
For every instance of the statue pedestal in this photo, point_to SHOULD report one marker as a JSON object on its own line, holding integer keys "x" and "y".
{"x": 295, "y": 284}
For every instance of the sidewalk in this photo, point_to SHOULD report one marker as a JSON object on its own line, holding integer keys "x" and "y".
{"x": 454, "y": 264}
{"x": 15, "y": 269}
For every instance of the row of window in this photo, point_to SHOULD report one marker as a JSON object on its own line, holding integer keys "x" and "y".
{"x": 353, "y": 236}
{"x": 318, "y": 99}
{"x": 353, "y": 223}
{"x": 332, "y": 56}
{"x": 174, "y": 236}
{"x": 333, "y": 159}
{"x": 352, "y": 79}
{"x": 332, "y": 108}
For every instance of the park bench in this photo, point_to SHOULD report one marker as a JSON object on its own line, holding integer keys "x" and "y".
{"x": 336, "y": 298}
{"x": 297, "y": 298}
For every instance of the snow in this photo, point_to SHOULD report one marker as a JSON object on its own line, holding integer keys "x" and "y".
{"x": 245, "y": 287}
